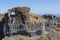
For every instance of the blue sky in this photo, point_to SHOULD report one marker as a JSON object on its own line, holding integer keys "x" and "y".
{"x": 37, "y": 6}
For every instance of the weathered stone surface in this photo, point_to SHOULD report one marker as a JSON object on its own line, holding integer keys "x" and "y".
{"x": 13, "y": 23}
{"x": 22, "y": 22}
{"x": 51, "y": 18}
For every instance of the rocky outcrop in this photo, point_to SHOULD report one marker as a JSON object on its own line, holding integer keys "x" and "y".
{"x": 24, "y": 26}
{"x": 22, "y": 21}
{"x": 16, "y": 23}
{"x": 51, "y": 18}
